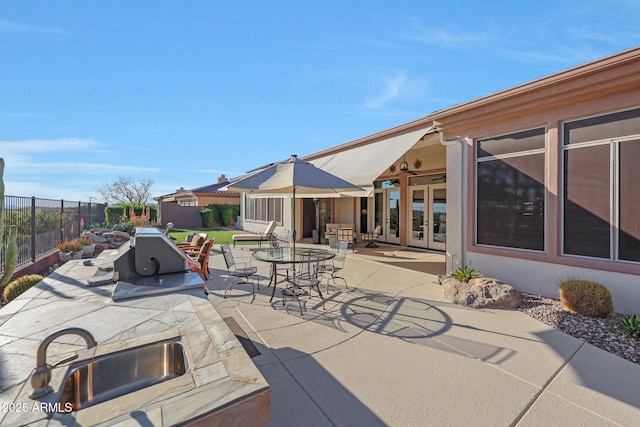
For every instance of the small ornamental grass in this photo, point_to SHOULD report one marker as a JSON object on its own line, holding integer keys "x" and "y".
{"x": 586, "y": 298}
{"x": 85, "y": 241}
{"x": 69, "y": 245}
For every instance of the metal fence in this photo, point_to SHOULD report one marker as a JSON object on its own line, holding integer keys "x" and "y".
{"x": 44, "y": 222}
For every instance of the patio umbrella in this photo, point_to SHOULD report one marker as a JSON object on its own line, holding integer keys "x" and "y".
{"x": 293, "y": 177}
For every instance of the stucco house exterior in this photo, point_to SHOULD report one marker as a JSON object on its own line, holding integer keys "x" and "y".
{"x": 531, "y": 185}
{"x": 182, "y": 207}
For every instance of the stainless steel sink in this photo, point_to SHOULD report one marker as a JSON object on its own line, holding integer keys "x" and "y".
{"x": 106, "y": 377}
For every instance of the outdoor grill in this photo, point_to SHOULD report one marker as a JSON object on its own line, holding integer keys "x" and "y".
{"x": 152, "y": 264}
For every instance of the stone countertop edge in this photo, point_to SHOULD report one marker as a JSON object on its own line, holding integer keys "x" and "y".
{"x": 220, "y": 372}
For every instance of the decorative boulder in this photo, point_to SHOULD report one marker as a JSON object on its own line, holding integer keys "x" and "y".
{"x": 482, "y": 292}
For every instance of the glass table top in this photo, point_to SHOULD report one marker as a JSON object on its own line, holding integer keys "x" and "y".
{"x": 288, "y": 256}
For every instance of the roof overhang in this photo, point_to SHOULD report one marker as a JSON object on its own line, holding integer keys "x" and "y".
{"x": 362, "y": 164}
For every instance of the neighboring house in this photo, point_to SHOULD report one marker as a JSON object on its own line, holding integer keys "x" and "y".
{"x": 531, "y": 185}
{"x": 183, "y": 207}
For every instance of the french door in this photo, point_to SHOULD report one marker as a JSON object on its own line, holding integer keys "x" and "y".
{"x": 387, "y": 214}
{"x": 427, "y": 216}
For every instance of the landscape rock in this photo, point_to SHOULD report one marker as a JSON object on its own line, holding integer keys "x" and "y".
{"x": 96, "y": 238}
{"x": 121, "y": 235}
{"x": 482, "y": 292}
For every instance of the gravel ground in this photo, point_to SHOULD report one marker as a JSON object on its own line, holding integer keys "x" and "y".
{"x": 606, "y": 334}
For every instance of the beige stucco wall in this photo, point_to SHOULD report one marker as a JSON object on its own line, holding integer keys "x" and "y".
{"x": 612, "y": 84}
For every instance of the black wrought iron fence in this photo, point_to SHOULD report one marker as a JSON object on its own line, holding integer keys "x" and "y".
{"x": 44, "y": 222}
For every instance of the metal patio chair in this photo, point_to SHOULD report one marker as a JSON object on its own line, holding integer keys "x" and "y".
{"x": 241, "y": 272}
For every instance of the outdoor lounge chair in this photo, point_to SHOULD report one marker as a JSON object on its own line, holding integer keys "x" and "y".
{"x": 372, "y": 238}
{"x": 202, "y": 258}
{"x": 194, "y": 243}
{"x": 262, "y": 237}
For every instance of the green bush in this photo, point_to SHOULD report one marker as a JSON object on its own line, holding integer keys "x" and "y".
{"x": 223, "y": 214}
{"x": 586, "y": 298}
{"x": 20, "y": 285}
{"x": 114, "y": 214}
{"x": 127, "y": 227}
{"x": 206, "y": 216}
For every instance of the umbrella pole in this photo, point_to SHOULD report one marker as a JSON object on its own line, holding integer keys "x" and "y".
{"x": 293, "y": 220}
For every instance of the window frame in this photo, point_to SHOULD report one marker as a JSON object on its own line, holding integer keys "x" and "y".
{"x": 488, "y": 158}
{"x": 614, "y": 183}
{"x": 264, "y": 209}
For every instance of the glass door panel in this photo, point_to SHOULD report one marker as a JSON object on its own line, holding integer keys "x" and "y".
{"x": 393, "y": 216}
{"x": 379, "y": 218}
{"x": 418, "y": 221}
{"x": 438, "y": 213}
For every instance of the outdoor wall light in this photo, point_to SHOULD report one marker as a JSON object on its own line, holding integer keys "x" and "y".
{"x": 404, "y": 166}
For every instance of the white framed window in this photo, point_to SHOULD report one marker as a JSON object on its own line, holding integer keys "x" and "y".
{"x": 263, "y": 209}
{"x": 600, "y": 176}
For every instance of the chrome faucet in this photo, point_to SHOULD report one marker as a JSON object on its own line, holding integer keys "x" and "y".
{"x": 42, "y": 373}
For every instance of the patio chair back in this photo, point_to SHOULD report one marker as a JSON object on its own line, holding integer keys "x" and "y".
{"x": 203, "y": 258}
{"x": 347, "y": 235}
{"x": 241, "y": 273}
{"x": 228, "y": 257}
{"x": 341, "y": 253}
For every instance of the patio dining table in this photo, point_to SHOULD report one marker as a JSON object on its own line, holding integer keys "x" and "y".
{"x": 285, "y": 256}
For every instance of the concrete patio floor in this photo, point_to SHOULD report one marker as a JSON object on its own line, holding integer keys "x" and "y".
{"x": 392, "y": 351}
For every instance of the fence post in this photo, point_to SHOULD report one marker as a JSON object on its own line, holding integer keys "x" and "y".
{"x": 79, "y": 218}
{"x": 33, "y": 229}
{"x": 61, "y": 220}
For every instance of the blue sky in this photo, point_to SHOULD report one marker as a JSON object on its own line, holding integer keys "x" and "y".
{"x": 179, "y": 92}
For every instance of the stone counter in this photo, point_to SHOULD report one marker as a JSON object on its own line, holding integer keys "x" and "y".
{"x": 222, "y": 386}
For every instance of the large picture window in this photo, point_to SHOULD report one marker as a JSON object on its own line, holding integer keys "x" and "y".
{"x": 263, "y": 209}
{"x": 600, "y": 197}
{"x": 510, "y": 190}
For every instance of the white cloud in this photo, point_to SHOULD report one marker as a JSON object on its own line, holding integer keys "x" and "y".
{"x": 415, "y": 30}
{"x": 15, "y": 27}
{"x": 393, "y": 87}
{"x": 47, "y": 145}
{"x": 32, "y": 189}
{"x": 77, "y": 167}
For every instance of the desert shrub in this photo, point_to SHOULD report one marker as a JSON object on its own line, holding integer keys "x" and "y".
{"x": 20, "y": 285}
{"x": 586, "y": 298}
{"x": 465, "y": 274}
{"x": 631, "y": 325}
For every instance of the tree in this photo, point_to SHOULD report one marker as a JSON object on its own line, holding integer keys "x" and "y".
{"x": 126, "y": 190}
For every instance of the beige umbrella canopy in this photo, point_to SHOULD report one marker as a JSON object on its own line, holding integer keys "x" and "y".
{"x": 293, "y": 177}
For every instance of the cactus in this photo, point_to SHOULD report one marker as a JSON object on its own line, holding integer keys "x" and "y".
{"x": 11, "y": 255}
{"x": 20, "y": 285}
